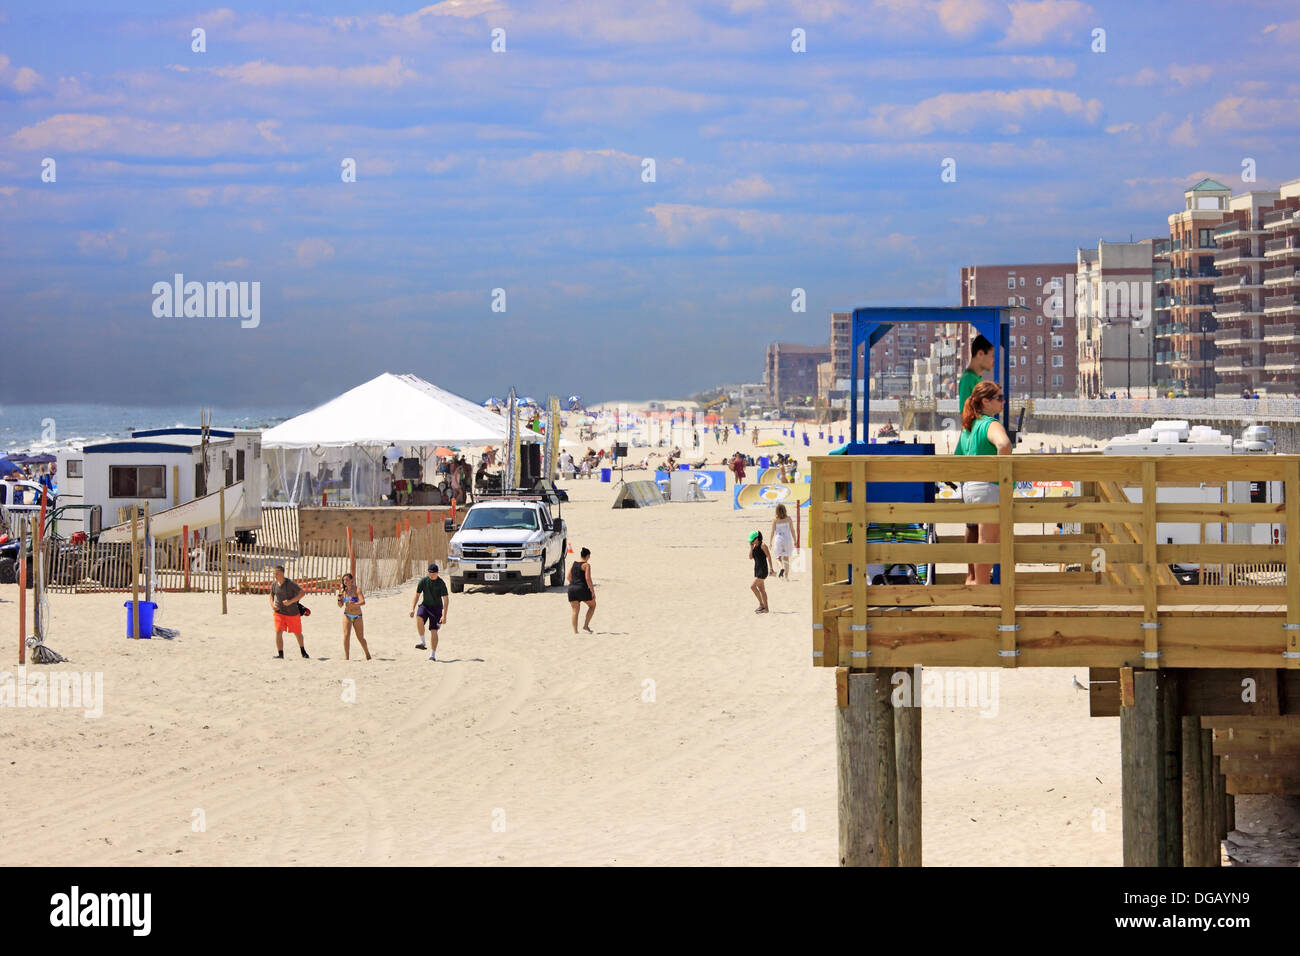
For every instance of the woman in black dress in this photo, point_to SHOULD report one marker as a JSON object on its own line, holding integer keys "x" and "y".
{"x": 762, "y": 561}
{"x": 582, "y": 590}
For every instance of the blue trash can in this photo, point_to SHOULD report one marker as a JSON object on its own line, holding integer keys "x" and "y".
{"x": 683, "y": 467}
{"x": 604, "y": 474}
{"x": 764, "y": 462}
{"x": 146, "y": 618}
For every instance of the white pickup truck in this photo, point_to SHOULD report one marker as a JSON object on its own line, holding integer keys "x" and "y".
{"x": 508, "y": 543}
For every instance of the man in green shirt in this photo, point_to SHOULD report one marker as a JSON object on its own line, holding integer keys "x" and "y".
{"x": 433, "y": 601}
{"x": 981, "y": 362}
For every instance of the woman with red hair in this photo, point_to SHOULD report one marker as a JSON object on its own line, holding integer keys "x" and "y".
{"x": 983, "y": 434}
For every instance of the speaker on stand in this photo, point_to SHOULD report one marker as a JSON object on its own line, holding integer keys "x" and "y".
{"x": 620, "y": 454}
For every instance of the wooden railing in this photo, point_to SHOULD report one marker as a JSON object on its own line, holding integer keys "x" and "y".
{"x": 1105, "y": 595}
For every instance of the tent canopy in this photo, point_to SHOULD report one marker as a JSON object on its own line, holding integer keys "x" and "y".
{"x": 391, "y": 409}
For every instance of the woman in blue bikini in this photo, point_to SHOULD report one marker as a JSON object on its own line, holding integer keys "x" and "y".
{"x": 351, "y": 599}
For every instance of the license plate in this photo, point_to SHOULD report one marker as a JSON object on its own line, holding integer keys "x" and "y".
{"x": 492, "y": 576}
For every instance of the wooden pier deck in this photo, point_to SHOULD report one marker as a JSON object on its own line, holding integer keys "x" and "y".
{"x": 1205, "y": 677}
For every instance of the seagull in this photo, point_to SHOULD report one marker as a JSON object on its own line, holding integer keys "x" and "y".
{"x": 1077, "y": 685}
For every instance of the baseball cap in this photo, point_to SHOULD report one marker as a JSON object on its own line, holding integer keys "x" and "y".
{"x": 752, "y": 536}
{"x": 433, "y": 567}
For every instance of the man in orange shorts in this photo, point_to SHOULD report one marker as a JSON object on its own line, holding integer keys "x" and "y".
{"x": 284, "y": 605}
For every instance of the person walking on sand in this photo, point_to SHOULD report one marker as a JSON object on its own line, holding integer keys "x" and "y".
{"x": 582, "y": 590}
{"x": 738, "y": 467}
{"x": 762, "y": 561}
{"x": 782, "y": 535}
{"x": 433, "y": 602}
{"x": 286, "y": 610}
{"x": 351, "y": 599}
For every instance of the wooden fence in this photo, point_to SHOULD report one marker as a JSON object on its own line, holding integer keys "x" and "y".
{"x": 381, "y": 563}
{"x": 1107, "y": 596}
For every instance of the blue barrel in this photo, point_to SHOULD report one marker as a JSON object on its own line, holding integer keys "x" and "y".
{"x": 764, "y": 462}
{"x": 146, "y": 618}
{"x": 605, "y": 473}
{"x": 683, "y": 467}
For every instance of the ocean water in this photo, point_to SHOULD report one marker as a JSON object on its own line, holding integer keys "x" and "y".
{"x": 43, "y": 428}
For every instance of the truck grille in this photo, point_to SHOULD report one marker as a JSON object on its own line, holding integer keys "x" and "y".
{"x": 479, "y": 552}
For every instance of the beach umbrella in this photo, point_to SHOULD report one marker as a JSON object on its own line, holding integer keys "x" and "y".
{"x": 442, "y": 451}
{"x": 493, "y": 401}
{"x": 769, "y": 443}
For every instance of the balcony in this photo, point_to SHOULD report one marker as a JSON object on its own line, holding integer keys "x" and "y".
{"x": 1281, "y": 247}
{"x": 1280, "y": 333}
{"x": 1232, "y": 257}
{"x": 1235, "y": 229}
{"x": 1283, "y": 275}
{"x": 1230, "y": 310}
{"x": 1232, "y": 363}
{"x": 1282, "y": 304}
{"x": 1281, "y": 219}
{"x": 1237, "y": 283}
{"x": 1276, "y": 361}
{"x": 1235, "y": 336}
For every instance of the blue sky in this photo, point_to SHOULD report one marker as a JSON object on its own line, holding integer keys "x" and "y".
{"x": 522, "y": 170}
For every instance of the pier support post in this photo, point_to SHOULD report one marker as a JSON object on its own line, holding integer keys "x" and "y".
{"x": 1220, "y": 811}
{"x": 868, "y": 782}
{"x": 907, "y": 754}
{"x": 1148, "y": 785}
{"x": 1195, "y": 843}
{"x": 1210, "y": 848}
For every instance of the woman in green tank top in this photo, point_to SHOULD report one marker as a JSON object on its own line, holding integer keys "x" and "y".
{"x": 983, "y": 434}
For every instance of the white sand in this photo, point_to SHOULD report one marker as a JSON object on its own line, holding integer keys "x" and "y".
{"x": 527, "y": 727}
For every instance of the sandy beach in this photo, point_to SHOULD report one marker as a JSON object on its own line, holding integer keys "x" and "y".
{"x": 687, "y": 730}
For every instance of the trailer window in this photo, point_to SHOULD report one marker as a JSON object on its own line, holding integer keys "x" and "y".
{"x": 74, "y": 468}
{"x": 137, "y": 481}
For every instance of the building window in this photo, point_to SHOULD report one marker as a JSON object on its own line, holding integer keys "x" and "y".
{"x": 1038, "y": 300}
{"x": 1024, "y": 340}
{"x": 1023, "y": 318}
{"x": 74, "y": 468}
{"x": 1011, "y": 300}
{"x": 1058, "y": 381}
{"x": 1022, "y": 302}
{"x": 1024, "y": 360}
{"x": 1038, "y": 281}
{"x": 1058, "y": 341}
{"x": 1058, "y": 361}
{"x": 1022, "y": 281}
{"x": 1040, "y": 340}
{"x": 1011, "y": 282}
{"x": 1058, "y": 322}
{"x": 136, "y": 481}
{"x": 1040, "y": 320}
{"x": 1040, "y": 380}
{"x": 1039, "y": 361}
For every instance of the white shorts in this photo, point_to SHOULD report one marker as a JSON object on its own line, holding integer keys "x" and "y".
{"x": 979, "y": 492}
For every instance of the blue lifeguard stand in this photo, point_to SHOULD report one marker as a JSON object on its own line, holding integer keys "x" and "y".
{"x": 870, "y": 325}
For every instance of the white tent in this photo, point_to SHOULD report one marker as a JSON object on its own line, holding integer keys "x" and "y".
{"x": 338, "y": 448}
{"x": 391, "y": 409}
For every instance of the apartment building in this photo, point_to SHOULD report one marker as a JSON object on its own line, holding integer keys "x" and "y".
{"x": 1280, "y": 343}
{"x": 790, "y": 372}
{"x": 1239, "y": 292}
{"x": 1113, "y": 307}
{"x": 1042, "y": 353}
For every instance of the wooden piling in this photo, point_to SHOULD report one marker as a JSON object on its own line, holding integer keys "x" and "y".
{"x": 185, "y": 554}
{"x": 1220, "y": 809}
{"x": 1171, "y": 752}
{"x": 1193, "y": 795}
{"x": 1210, "y": 849}
{"x": 868, "y": 782}
{"x": 1147, "y": 788}
{"x": 135, "y": 576}
{"x": 907, "y": 757}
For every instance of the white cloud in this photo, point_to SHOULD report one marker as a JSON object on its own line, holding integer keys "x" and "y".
{"x": 963, "y": 112}
{"x": 390, "y": 74}
{"x": 1190, "y": 75}
{"x": 742, "y": 190}
{"x": 240, "y": 263}
{"x": 23, "y": 79}
{"x": 1036, "y": 23}
{"x": 86, "y": 132}
{"x": 109, "y": 244}
{"x": 1122, "y": 128}
{"x": 311, "y": 252}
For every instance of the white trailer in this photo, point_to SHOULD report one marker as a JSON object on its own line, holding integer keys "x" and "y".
{"x": 1180, "y": 438}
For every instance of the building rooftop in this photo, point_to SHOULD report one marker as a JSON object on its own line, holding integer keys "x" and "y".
{"x": 1209, "y": 185}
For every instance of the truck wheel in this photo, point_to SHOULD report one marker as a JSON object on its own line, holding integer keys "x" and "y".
{"x": 457, "y": 585}
{"x": 539, "y": 583}
{"x": 557, "y": 576}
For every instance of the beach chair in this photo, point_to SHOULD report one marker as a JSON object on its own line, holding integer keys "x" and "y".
{"x": 921, "y": 575}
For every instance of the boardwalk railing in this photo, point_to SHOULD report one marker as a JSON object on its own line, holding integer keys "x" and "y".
{"x": 1106, "y": 595}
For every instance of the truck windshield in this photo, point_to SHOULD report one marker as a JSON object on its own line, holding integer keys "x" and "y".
{"x": 524, "y": 519}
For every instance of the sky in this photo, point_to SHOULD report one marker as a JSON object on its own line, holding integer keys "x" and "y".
{"x": 505, "y": 226}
